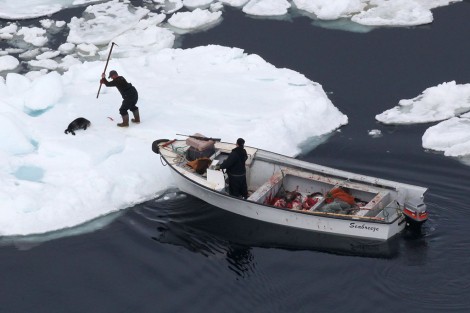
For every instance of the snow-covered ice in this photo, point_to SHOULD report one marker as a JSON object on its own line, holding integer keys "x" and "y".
{"x": 266, "y": 7}
{"x": 451, "y": 136}
{"x": 33, "y": 35}
{"x": 17, "y": 10}
{"x": 193, "y": 4}
{"x": 446, "y": 103}
{"x": 434, "y": 104}
{"x": 375, "y": 133}
{"x": 234, "y": 3}
{"x": 106, "y": 168}
{"x": 397, "y": 13}
{"x": 8, "y": 62}
{"x": 331, "y": 10}
{"x": 103, "y": 22}
{"x": 195, "y": 19}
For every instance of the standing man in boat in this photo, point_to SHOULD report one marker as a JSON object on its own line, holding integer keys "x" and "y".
{"x": 129, "y": 97}
{"x": 235, "y": 165}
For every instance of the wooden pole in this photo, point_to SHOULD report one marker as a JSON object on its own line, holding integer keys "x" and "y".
{"x": 105, "y": 67}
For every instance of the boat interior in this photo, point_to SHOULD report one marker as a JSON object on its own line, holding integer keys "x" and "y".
{"x": 269, "y": 181}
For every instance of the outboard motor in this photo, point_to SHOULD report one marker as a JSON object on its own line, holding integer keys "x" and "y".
{"x": 415, "y": 213}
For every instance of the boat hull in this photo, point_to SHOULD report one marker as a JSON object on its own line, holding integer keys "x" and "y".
{"x": 318, "y": 223}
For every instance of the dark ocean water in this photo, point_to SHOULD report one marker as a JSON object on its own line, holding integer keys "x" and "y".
{"x": 178, "y": 254}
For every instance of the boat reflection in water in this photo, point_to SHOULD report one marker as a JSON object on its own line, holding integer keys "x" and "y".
{"x": 180, "y": 219}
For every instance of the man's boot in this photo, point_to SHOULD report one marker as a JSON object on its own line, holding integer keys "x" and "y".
{"x": 136, "y": 118}
{"x": 125, "y": 121}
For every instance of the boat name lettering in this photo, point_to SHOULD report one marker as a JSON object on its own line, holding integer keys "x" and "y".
{"x": 363, "y": 226}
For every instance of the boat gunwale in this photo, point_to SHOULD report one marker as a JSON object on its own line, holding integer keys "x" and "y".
{"x": 393, "y": 185}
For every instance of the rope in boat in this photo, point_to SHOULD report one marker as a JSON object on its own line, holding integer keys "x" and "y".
{"x": 179, "y": 154}
{"x": 398, "y": 208}
{"x": 161, "y": 161}
{"x": 177, "y": 149}
{"x": 385, "y": 214}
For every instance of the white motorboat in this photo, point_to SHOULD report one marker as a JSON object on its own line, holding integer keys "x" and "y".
{"x": 382, "y": 208}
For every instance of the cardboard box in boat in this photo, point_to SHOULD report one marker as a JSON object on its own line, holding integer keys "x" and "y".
{"x": 199, "y": 148}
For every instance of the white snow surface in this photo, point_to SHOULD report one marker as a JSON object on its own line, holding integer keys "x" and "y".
{"x": 434, "y": 104}
{"x": 448, "y": 103}
{"x": 267, "y": 7}
{"x": 17, "y": 10}
{"x": 374, "y": 12}
{"x": 103, "y": 22}
{"x": 195, "y": 19}
{"x": 234, "y": 3}
{"x": 193, "y": 4}
{"x": 33, "y": 35}
{"x": 8, "y": 62}
{"x": 396, "y": 13}
{"x": 331, "y": 10}
{"x": 451, "y": 137}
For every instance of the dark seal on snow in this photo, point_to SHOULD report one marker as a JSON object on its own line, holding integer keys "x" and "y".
{"x": 78, "y": 123}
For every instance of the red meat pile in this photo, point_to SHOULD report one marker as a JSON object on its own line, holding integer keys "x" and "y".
{"x": 294, "y": 200}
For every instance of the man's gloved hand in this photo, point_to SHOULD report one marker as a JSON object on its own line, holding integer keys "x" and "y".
{"x": 217, "y": 167}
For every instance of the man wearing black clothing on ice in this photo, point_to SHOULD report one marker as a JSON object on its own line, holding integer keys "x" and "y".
{"x": 129, "y": 97}
{"x": 235, "y": 165}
